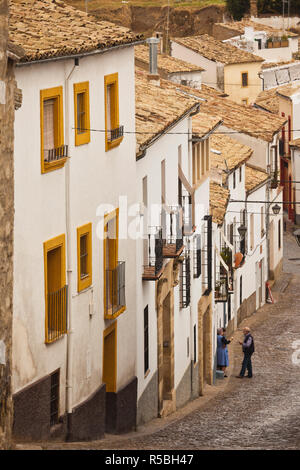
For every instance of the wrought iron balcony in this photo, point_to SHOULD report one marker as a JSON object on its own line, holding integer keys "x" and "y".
{"x": 153, "y": 270}
{"x": 56, "y": 154}
{"x": 172, "y": 233}
{"x": 56, "y": 314}
{"x": 115, "y": 134}
{"x": 115, "y": 289}
{"x": 221, "y": 288}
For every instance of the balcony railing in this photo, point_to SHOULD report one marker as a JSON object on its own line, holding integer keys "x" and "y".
{"x": 115, "y": 134}
{"x": 221, "y": 288}
{"x": 53, "y": 155}
{"x": 56, "y": 314}
{"x": 153, "y": 269}
{"x": 115, "y": 289}
{"x": 172, "y": 233}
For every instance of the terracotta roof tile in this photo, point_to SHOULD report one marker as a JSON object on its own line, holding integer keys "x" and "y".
{"x": 47, "y": 29}
{"x": 254, "y": 177}
{"x": 268, "y": 100}
{"x": 289, "y": 89}
{"x": 218, "y": 200}
{"x": 157, "y": 108}
{"x": 232, "y": 153}
{"x": 165, "y": 62}
{"x": 204, "y": 123}
{"x": 239, "y": 27}
{"x": 217, "y": 51}
{"x": 239, "y": 118}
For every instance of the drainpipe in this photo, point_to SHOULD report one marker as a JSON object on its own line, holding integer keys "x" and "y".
{"x": 69, "y": 259}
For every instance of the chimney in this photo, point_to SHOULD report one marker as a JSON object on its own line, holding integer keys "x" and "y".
{"x": 153, "y": 76}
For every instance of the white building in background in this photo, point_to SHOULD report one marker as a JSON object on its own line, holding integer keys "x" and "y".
{"x": 175, "y": 335}
{"x": 74, "y": 270}
{"x": 274, "y": 75}
{"x": 271, "y": 48}
{"x": 170, "y": 68}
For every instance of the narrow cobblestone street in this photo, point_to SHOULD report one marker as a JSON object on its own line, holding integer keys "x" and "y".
{"x": 261, "y": 413}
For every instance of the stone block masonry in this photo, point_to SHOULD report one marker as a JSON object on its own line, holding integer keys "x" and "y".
{"x": 7, "y": 90}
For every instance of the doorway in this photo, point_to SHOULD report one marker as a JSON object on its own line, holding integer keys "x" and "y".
{"x": 109, "y": 375}
{"x": 167, "y": 349}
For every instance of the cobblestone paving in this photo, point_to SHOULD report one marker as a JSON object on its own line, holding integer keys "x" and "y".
{"x": 258, "y": 413}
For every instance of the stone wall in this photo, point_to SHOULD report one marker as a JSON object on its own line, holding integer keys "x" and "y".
{"x": 7, "y": 88}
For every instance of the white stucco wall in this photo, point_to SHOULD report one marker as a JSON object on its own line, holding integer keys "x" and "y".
{"x": 96, "y": 177}
{"x": 193, "y": 79}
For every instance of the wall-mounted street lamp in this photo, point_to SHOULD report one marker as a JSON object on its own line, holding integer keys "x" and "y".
{"x": 242, "y": 231}
{"x": 276, "y": 209}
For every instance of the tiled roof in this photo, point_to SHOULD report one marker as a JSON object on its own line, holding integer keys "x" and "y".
{"x": 254, "y": 177}
{"x": 157, "y": 108}
{"x": 239, "y": 118}
{"x": 204, "y": 123}
{"x": 51, "y": 28}
{"x": 217, "y": 51}
{"x": 289, "y": 90}
{"x": 295, "y": 143}
{"x": 268, "y": 100}
{"x": 165, "y": 62}
{"x": 239, "y": 27}
{"x": 218, "y": 201}
{"x": 273, "y": 65}
{"x": 230, "y": 153}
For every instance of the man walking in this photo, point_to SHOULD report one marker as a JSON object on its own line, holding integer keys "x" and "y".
{"x": 248, "y": 350}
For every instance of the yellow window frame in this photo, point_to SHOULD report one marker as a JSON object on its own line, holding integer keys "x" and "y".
{"x": 86, "y": 281}
{"x": 245, "y": 73}
{"x": 53, "y": 243}
{"x": 114, "y": 260}
{"x": 82, "y": 137}
{"x": 55, "y": 93}
{"x": 112, "y": 79}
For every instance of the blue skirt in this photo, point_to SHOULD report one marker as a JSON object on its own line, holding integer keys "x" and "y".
{"x": 222, "y": 357}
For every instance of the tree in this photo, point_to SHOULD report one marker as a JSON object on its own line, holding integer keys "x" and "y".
{"x": 238, "y": 8}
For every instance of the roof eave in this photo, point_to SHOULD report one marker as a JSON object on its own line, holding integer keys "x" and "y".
{"x": 82, "y": 54}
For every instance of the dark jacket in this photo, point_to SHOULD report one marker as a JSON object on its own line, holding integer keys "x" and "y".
{"x": 248, "y": 344}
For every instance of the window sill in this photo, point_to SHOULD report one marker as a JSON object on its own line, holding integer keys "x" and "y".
{"x": 147, "y": 373}
{"x": 115, "y": 315}
{"x": 82, "y": 139}
{"x": 113, "y": 144}
{"x": 56, "y": 339}
{"x": 47, "y": 167}
{"x": 84, "y": 283}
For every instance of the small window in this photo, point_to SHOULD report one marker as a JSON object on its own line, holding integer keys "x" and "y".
{"x": 245, "y": 101}
{"x": 244, "y": 79}
{"x": 234, "y": 182}
{"x": 84, "y": 256}
{"x": 113, "y": 130}
{"x": 53, "y": 150}
{"x": 82, "y": 113}
{"x": 279, "y": 234}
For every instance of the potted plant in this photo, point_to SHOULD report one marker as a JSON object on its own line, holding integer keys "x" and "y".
{"x": 276, "y": 42}
{"x": 269, "y": 43}
{"x": 226, "y": 255}
{"x": 274, "y": 182}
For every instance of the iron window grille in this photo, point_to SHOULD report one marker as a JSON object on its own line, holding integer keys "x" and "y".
{"x": 57, "y": 308}
{"x": 55, "y": 154}
{"x": 197, "y": 257}
{"x": 221, "y": 288}
{"x": 115, "y": 134}
{"x": 172, "y": 228}
{"x": 155, "y": 251}
{"x": 186, "y": 204}
{"x": 185, "y": 281}
{"x": 115, "y": 289}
